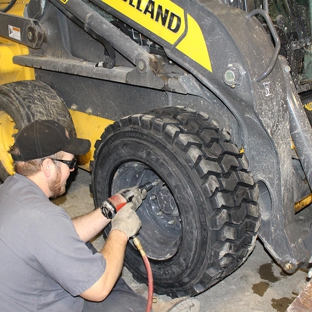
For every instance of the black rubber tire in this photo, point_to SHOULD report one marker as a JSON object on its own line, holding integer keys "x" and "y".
{"x": 202, "y": 224}
{"x": 8, "y": 7}
{"x": 26, "y": 101}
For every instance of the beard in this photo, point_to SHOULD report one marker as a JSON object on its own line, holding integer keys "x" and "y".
{"x": 56, "y": 187}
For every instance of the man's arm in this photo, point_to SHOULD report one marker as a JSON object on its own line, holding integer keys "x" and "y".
{"x": 113, "y": 252}
{"x": 89, "y": 225}
{"x": 125, "y": 224}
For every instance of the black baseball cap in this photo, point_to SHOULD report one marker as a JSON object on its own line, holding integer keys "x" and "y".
{"x": 43, "y": 138}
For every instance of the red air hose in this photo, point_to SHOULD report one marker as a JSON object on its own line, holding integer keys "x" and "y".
{"x": 138, "y": 245}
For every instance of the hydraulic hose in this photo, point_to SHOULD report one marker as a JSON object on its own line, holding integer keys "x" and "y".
{"x": 138, "y": 245}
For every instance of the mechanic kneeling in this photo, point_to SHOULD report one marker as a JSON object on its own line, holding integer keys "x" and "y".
{"x": 45, "y": 261}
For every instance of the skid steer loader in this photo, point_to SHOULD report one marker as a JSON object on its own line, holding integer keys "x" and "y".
{"x": 211, "y": 97}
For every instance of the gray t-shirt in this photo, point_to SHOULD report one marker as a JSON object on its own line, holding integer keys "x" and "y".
{"x": 44, "y": 265}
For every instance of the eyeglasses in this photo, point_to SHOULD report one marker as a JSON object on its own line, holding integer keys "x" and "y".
{"x": 70, "y": 163}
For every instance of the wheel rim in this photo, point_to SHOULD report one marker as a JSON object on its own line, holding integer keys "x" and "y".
{"x": 161, "y": 229}
{"x": 7, "y": 131}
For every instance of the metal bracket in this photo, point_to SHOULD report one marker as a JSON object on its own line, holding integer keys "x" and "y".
{"x": 23, "y": 30}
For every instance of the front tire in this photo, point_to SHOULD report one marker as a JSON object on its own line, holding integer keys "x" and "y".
{"x": 201, "y": 222}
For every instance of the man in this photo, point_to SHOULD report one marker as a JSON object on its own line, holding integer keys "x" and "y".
{"x": 45, "y": 264}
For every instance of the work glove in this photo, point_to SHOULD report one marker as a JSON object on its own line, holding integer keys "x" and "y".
{"x": 134, "y": 195}
{"x": 126, "y": 220}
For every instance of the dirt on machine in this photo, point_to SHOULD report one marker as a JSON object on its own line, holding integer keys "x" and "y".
{"x": 212, "y": 98}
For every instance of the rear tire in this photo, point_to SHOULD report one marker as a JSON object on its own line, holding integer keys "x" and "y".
{"x": 201, "y": 224}
{"x": 21, "y": 103}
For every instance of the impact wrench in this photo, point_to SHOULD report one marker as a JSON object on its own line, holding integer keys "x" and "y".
{"x": 109, "y": 209}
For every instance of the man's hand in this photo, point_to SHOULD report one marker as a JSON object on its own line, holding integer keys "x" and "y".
{"x": 134, "y": 195}
{"x": 126, "y": 220}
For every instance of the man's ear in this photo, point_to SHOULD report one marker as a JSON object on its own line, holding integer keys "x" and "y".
{"x": 47, "y": 167}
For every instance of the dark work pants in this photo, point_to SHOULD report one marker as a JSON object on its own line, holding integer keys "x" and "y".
{"x": 121, "y": 299}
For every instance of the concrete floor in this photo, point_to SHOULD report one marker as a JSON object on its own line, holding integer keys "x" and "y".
{"x": 259, "y": 285}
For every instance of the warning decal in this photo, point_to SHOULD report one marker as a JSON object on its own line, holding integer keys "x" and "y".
{"x": 15, "y": 33}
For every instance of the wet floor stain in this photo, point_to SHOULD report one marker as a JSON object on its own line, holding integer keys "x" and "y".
{"x": 282, "y": 304}
{"x": 266, "y": 273}
{"x": 260, "y": 288}
{"x": 268, "y": 278}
